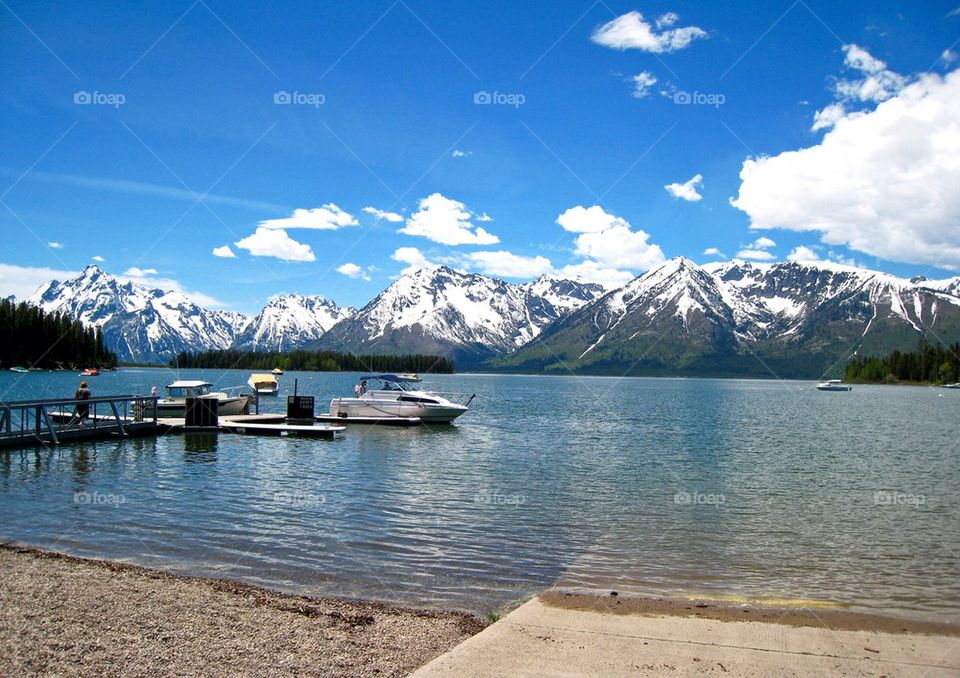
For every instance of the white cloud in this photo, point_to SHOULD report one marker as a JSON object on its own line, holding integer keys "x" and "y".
{"x": 414, "y": 259}
{"x": 23, "y": 281}
{"x": 756, "y": 255}
{"x": 353, "y": 271}
{"x": 267, "y": 242}
{"x": 882, "y": 182}
{"x": 507, "y": 264}
{"x": 54, "y": 245}
{"x": 642, "y": 82}
{"x": 134, "y": 272}
{"x": 382, "y": 214}
{"x": 714, "y": 252}
{"x": 802, "y": 253}
{"x": 828, "y": 117}
{"x": 591, "y": 271}
{"x": 876, "y": 84}
{"x": 609, "y": 243}
{"x": 949, "y": 56}
{"x": 763, "y": 243}
{"x": 224, "y": 252}
{"x": 97, "y": 258}
{"x": 326, "y": 218}
{"x": 457, "y": 153}
{"x": 687, "y": 190}
{"x": 593, "y": 219}
{"x": 447, "y": 222}
{"x": 631, "y": 31}
{"x": 484, "y": 217}
{"x": 954, "y": 12}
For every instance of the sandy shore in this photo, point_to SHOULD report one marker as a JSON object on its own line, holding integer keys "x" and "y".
{"x": 70, "y": 616}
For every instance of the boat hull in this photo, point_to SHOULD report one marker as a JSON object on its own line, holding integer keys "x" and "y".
{"x": 226, "y": 406}
{"x": 440, "y": 413}
{"x": 834, "y": 388}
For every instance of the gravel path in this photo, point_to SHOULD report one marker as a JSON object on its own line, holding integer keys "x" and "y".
{"x": 67, "y": 616}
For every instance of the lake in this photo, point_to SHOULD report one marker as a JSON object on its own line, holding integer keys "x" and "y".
{"x": 725, "y": 488}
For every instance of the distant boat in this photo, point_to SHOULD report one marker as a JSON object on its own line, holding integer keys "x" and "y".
{"x": 277, "y": 370}
{"x": 264, "y": 384}
{"x": 834, "y": 385}
{"x": 90, "y": 372}
{"x": 410, "y": 376}
{"x": 19, "y": 370}
{"x": 957, "y": 385}
{"x": 174, "y": 405}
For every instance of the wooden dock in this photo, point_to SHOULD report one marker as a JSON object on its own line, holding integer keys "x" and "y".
{"x": 377, "y": 421}
{"x": 29, "y": 423}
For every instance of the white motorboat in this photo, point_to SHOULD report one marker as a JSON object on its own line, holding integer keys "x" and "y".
{"x": 834, "y": 385}
{"x": 175, "y": 404}
{"x": 395, "y": 396}
{"x": 277, "y": 371}
{"x": 957, "y": 385}
{"x": 264, "y": 384}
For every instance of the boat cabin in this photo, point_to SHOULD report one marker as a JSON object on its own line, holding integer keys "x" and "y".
{"x": 189, "y": 389}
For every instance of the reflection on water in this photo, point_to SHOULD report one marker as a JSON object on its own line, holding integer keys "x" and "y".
{"x": 733, "y": 488}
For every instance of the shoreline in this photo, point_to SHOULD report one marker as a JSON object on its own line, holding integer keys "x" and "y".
{"x": 64, "y": 614}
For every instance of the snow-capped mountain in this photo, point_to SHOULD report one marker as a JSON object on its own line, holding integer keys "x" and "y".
{"x": 466, "y": 315}
{"x": 139, "y": 324}
{"x": 785, "y": 319}
{"x": 290, "y": 321}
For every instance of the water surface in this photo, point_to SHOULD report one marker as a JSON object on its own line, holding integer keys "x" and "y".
{"x": 668, "y": 486}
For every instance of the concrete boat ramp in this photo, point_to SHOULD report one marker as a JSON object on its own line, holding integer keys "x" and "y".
{"x": 544, "y": 638}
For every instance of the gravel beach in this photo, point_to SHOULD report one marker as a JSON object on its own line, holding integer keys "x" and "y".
{"x": 70, "y": 616}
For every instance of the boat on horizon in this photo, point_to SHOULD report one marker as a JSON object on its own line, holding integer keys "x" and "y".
{"x": 395, "y": 396}
{"x": 957, "y": 385}
{"x": 276, "y": 371}
{"x": 90, "y": 372}
{"x": 264, "y": 384}
{"x": 19, "y": 370}
{"x": 833, "y": 385}
{"x": 175, "y": 403}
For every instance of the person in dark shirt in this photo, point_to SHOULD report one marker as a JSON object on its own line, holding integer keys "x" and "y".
{"x": 83, "y": 409}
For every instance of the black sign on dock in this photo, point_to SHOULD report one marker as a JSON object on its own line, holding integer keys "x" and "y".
{"x": 201, "y": 412}
{"x": 300, "y": 407}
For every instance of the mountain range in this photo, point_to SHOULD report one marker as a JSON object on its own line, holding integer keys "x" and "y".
{"x": 733, "y": 318}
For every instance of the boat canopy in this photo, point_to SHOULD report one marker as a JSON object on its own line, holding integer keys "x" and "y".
{"x": 262, "y": 379}
{"x": 393, "y": 378}
{"x": 189, "y": 384}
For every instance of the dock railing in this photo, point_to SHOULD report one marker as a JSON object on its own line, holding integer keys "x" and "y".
{"x": 50, "y": 421}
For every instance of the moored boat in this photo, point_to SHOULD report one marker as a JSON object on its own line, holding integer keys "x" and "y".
{"x": 277, "y": 371}
{"x": 19, "y": 370}
{"x": 833, "y": 385}
{"x": 90, "y": 372}
{"x": 264, "y": 384}
{"x": 395, "y": 396}
{"x": 957, "y": 385}
{"x": 175, "y": 403}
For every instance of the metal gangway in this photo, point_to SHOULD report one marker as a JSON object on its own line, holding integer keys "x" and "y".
{"x": 25, "y": 423}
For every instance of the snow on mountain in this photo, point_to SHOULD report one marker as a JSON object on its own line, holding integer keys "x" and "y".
{"x": 735, "y": 316}
{"x": 290, "y": 321}
{"x": 138, "y": 323}
{"x": 467, "y": 315}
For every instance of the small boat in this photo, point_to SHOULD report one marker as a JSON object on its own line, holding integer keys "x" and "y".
{"x": 395, "y": 396}
{"x": 19, "y": 370}
{"x": 277, "y": 371}
{"x": 957, "y": 385}
{"x": 264, "y": 384}
{"x": 175, "y": 404}
{"x": 90, "y": 372}
{"x": 833, "y": 385}
{"x": 410, "y": 376}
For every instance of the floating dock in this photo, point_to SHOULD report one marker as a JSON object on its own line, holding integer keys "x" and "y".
{"x": 301, "y": 430}
{"x": 378, "y": 421}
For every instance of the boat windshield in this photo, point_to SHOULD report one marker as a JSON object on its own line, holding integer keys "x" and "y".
{"x": 188, "y": 391}
{"x": 395, "y": 386}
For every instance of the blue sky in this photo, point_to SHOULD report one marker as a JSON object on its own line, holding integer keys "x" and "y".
{"x": 117, "y": 119}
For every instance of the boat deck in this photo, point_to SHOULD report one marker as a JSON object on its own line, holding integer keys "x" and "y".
{"x": 378, "y": 421}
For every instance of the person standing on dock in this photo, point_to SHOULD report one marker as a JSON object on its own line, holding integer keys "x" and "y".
{"x": 83, "y": 409}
